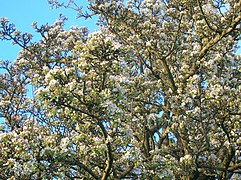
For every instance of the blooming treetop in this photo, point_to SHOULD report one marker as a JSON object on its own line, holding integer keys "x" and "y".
{"x": 154, "y": 94}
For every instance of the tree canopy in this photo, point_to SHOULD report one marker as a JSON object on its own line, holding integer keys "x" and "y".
{"x": 153, "y": 94}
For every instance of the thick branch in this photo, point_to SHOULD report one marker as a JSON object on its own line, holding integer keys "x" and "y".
{"x": 109, "y": 153}
{"x": 124, "y": 174}
{"x": 231, "y": 169}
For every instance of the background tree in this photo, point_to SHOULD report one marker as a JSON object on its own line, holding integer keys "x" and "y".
{"x": 154, "y": 94}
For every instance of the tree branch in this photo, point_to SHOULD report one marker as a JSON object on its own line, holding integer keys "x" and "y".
{"x": 109, "y": 153}
{"x": 212, "y": 42}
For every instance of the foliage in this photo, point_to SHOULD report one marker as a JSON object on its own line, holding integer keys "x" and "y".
{"x": 154, "y": 94}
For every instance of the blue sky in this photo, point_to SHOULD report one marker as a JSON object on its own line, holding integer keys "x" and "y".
{"x": 23, "y": 12}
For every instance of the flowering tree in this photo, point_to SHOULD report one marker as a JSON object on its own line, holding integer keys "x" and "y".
{"x": 154, "y": 94}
